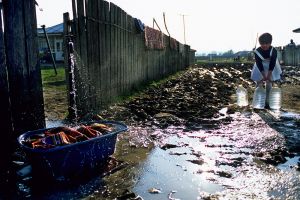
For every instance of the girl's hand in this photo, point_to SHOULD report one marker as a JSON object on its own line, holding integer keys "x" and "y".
{"x": 269, "y": 75}
{"x": 264, "y": 77}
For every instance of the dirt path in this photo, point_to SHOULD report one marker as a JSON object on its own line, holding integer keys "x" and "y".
{"x": 55, "y": 102}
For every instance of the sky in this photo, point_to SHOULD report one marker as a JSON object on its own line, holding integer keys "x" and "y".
{"x": 210, "y": 25}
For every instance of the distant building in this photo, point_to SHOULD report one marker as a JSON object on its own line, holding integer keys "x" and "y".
{"x": 55, "y": 36}
{"x": 211, "y": 56}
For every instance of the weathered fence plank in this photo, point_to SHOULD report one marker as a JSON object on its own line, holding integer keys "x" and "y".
{"x": 118, "y": 58}
{"x": 121, "y": 50}
{"x": 23, "y": 69}
{"x": 107, "y": 51}
{"x": 101, "y": 70}
{"x": 5, "y": 114}
{"x": 90, "y": 47}
{"x": 34, "y": 71}
{"x": 96, "y": 55}
{"x": 113, "y": 51}
{"x": 130, "y": 51}
{"x": 141, "y": 58}
{"x": 81, "y": 75}
{"x": 126, "y": 56}
{"x": 136, "y": 59}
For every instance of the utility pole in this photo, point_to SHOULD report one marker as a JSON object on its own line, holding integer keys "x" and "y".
{"x": 49, "y": 48}
{"x": 164, "y": 15}
{"x": 183, "y": 20}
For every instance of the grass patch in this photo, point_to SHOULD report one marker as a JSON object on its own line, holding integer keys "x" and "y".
{"x": 52, "y": 80}
{"x": 55, "y": 92}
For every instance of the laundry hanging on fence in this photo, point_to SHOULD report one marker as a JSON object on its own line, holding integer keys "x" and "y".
{"x": 139, "y": 25}
{"x": 154, "y": 38}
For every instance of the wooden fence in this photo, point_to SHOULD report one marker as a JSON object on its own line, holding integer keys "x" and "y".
{"x": 21, "y": 94}
{"x": 111, "y": 56}
{"x": 20, "y": 84}
{"x": 5, "y": 114}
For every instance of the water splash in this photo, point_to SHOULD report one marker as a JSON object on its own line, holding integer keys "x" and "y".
{"x": 73, "y": 111}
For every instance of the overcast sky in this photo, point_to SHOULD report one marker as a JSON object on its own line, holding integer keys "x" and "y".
{"x": 211, "y": 25}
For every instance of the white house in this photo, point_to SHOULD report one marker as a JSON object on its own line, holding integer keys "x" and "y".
{"x": 55, "y": 36}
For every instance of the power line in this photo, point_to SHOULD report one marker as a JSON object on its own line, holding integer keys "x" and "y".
{"x": 183, "y": 20}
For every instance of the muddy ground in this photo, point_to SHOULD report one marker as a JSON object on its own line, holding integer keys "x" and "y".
{"x": 195, "y": 98}
{"x": 196, "y": 89}
{"x": 187, "y": 139}
{"x": 193, "y": 118}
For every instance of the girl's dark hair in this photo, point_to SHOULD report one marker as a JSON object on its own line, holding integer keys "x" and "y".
{"x": 265, "y": 38}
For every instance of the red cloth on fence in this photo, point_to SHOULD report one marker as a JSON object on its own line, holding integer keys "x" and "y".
{"x": 154, "y": 38}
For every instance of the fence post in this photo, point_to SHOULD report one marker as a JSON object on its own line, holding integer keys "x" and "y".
{"x": 24, "y": 75}
{"x": 5, "y": 114}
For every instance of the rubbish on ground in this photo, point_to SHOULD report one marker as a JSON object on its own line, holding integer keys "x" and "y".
{"x": 154, "y": 191}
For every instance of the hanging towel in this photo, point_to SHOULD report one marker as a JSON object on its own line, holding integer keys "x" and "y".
{"x": 153, "y": 38}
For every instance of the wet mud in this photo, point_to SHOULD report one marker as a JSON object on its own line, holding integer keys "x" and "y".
{"x": 205, "y": 147}
{"x": 187, "y": 139}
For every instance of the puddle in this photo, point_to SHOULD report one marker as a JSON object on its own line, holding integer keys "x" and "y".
{"x": 289, "y": 115}
{"x": 209, "y": 163}
{"x": 224, "y": 162}
{"x": 290, "y": 164}
{"x": 172, "y": 173}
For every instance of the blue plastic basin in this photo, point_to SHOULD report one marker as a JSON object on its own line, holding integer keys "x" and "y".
{"x": 65, "y": 162}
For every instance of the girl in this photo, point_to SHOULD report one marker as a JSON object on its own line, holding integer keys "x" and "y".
{"x": 266, "y": 68}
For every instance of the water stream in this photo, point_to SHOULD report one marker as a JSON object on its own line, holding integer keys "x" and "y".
{"x": 71, "y": 62}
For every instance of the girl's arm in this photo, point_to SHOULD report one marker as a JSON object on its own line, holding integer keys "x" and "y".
{"x": 273, "y": 59}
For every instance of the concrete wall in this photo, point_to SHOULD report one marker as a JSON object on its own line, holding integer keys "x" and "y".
{"x": 290, "y": 55}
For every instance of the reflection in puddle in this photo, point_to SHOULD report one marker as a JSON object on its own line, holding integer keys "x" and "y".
{"x": 289, "y": 164}
{"x": 289, "y": 115}
{"x": 169, "y": 173}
